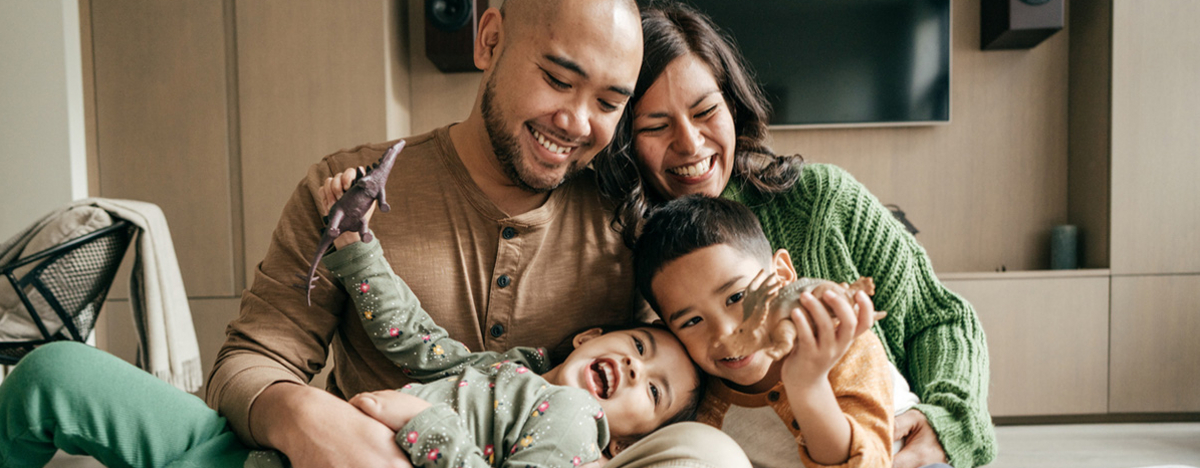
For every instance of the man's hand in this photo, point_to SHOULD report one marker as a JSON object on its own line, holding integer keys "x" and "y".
{"x": 921, "y": 446}
{"x": 318, "y": 430}
{"x": 332, "y": 190}
{"x": 390, "y": 407}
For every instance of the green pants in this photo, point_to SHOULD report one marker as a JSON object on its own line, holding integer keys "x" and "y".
{"x": 84, "y": 401}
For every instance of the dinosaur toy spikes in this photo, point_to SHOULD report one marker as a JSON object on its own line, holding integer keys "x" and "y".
{"x": 348, "y": 212}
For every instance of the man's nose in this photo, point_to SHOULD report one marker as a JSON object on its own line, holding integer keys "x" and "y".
{"x": 573, "y": 120}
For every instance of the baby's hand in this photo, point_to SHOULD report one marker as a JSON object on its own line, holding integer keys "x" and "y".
{"x": 392, "y": 408}
{"x": 332, "y": 190}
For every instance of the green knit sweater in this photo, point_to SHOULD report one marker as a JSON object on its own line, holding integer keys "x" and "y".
{"x": 835, "y": 229}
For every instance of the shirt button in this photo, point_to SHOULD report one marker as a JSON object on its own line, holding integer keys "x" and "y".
{"x": 773, "y": 396}
{"x": 496, "y": 330}
{"x": 503, "y": 281}
{"x": 508, "y": 233}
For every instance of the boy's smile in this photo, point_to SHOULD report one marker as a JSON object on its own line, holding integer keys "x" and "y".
{"x": 700, "y": 297}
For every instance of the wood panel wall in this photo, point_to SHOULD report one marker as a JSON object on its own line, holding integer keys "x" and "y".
{"x": 215, "y": 109}
{"x": 1155, "y": 142}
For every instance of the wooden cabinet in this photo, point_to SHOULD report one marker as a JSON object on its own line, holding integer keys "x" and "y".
{"x": 1155, "y": 345}
{"x": 1047, "y": 338}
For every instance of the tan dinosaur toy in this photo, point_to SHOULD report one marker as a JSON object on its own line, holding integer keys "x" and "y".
{"x": 766, "y": 310}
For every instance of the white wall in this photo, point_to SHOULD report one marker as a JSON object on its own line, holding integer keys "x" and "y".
{"x": 43, "y": 162}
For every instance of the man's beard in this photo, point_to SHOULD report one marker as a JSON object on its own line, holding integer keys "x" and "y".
{"x": 508, "y": 151}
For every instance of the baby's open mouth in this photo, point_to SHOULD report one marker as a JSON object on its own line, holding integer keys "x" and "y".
{"x": 603, "y": 378}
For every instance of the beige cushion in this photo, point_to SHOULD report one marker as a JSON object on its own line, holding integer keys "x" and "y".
{"x": 15, "y": 323}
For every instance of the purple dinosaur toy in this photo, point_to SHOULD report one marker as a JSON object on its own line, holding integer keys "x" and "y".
{"x": 347, "y": 213}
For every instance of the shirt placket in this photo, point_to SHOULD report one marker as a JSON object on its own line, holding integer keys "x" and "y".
{"x": 503, "y": 287}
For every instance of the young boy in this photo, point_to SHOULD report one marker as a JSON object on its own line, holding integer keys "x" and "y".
{"x": 695, "y": 261}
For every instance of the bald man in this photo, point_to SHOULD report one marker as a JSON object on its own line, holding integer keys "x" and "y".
{"x": 494, "y": 224}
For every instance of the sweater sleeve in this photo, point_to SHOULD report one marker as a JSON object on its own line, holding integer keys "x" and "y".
{"x": 862, "y": 385}
{"x": 400, "y": 328}
{"x": 932, "y": 334}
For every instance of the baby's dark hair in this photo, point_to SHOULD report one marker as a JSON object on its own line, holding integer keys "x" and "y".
{"x": 688, "y": 224}
{"x": 691, "y": 406}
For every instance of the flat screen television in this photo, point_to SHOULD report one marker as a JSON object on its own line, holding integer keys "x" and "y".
{"x": 844, "y": 62}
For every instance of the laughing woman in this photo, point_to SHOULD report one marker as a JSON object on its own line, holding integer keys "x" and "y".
{"x": 697, "y": 124}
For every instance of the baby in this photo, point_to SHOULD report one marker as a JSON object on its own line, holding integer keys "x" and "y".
{"x": 476, "y": 408}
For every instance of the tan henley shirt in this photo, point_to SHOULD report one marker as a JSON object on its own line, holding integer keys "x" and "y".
{"x": 493, "y": 281}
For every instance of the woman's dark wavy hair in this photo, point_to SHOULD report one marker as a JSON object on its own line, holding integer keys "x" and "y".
{"x": 671, "y": 30}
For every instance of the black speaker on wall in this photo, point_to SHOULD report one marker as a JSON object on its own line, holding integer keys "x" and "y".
{"x": 450, "y": 28}
{"x": 1019, "y": 24}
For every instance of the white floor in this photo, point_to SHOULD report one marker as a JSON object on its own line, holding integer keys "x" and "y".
{"x": 1073, "y": 446}
{"x": 1099, "y": 445}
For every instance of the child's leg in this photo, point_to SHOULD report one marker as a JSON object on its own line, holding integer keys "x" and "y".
{"x": 82, "y": 400}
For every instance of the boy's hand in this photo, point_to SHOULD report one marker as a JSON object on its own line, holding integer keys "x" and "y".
{"x": 332, "y": 190}
{"x": 820, "y": 342}
{"x": 390, "y": 407}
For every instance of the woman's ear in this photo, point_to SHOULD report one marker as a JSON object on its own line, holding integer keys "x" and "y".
{"x": 586, "y": 336}
{"x": 782, "y": 263}
{"x": 487, "y": 42}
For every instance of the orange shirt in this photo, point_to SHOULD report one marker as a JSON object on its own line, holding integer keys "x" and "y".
{"x": 861, "y": 382}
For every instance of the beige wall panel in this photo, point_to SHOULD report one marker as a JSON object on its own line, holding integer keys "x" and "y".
{"x": 161, "y": 125}
{"x": 1047, "y": 340}
{"x": 437, "y": 98}
{"x": 311, "y": 81}
{"x": 1090, "y": 120}
{"x": 208, "y": 315}
{"x": 1155, "y": 350}
{"x": 89, "y": 97}
{"x": 399, "y": 69}
{"x": 1155, "y": 142}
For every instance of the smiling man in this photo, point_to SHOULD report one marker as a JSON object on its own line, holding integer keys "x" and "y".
{"x": 491, "y": 225}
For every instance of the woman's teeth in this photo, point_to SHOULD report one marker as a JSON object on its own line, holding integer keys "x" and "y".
{"x": 554, "y": 148}
{"x": 692, "y": 170}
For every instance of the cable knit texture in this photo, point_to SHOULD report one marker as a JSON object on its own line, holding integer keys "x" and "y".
{"x": 835, "y": 229}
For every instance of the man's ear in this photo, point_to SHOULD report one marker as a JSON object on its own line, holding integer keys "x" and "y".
{"x": 782, "y": 263}
{"x": 487, "y": 42}
{"x": 586, "y": 336}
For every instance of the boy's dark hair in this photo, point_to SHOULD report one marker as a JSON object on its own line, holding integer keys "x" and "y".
{"x": 691, "y": 406}
{"x": 688, "y": 224}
